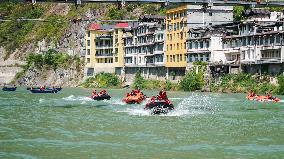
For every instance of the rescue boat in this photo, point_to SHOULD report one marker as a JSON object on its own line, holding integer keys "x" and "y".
{"x": 263, "y": 99}
{"x": 134, "y": 99}
{"x": 101, "y": 97}
{"x": 159, "y": 107}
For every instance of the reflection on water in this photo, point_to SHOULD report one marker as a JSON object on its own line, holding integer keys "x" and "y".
{"x": 203, "y": 125}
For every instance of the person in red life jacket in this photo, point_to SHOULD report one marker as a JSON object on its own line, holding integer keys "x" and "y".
{"x": 94, "y": 94}
{"x": 269, "y": 95}
{"x": 152, "y": 100}
{"x": 162, "y": 95}
{"x": 42, "y": 87}
{"x": 133, "y": 93}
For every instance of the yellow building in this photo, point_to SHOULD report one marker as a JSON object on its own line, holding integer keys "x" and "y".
{"x": 105, "y": 49}
{"x": 176, "y": 32}
{"x": 99, "y": 56}
{"x": 118, "y": 47}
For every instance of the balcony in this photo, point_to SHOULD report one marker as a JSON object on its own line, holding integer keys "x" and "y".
{"x": 99, "y": 47}
{"x": 193, "y": 50}
{"x": 104, "y": 55}
{"x": 158, "y": 52}
{"x": 269, "y": 60}
{"x": 159, "y": 40}
{"x": 104, "y": 37}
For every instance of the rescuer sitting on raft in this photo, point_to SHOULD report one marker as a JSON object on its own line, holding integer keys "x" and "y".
{"x": 162, "y": 95}
{"x": 94, "y": 93}
{"x": 269, "y": 96}
{"x": 251, "y": 95}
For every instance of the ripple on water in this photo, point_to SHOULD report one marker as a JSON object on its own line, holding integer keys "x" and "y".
{"x": 195, "y": 104}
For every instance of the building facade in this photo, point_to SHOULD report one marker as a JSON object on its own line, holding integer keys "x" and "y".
{"x": 254, "y": 45}
{"x": 179, "y": 21}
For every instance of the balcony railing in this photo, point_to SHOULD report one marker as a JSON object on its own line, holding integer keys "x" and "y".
{"x": 103, "y": 55}
{"x": 104, "y": 46}
{"x": 269, "y": 60}
{"x": 104, "y": 36}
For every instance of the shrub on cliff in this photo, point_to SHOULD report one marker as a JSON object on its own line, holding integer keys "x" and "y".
{"x": 13, "y": 33}
{"x": 192, "y": 81}
{"x": 102, "y": 80}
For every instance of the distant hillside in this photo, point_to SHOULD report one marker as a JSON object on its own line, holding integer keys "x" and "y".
{"x": 61, "y": 26}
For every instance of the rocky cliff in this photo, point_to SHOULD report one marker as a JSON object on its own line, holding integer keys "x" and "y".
{"x": 63, "y": 30}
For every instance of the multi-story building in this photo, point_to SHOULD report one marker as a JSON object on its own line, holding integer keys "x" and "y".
{"x": 99, "y": 57}
{"x": 144, "y": 47}
{"x": 179, "y": 21}
{"x": 118, "y": 47}
{"x": 255, "y": 45}
{"x": 104, "y": 49}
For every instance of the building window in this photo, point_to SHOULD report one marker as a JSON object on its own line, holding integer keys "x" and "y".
{"x": 116, "y": 59}
{"x": 244, "y": 41}
{"x": 88, "y": 60}
{"x": 190, "y": 57}
{"x": 190, "y": 45}
{"x": 278, "y": 39}
{"x": 88, "y": 42}
{"x": 180, "y": 56}
{"x": 174, "y": 58}
{"x": 201, "y": 44}
{"x": 210, "y": 13}
{"x": 271, "y": 39}
{"x": 261, "y": 41}
{"x": 89, "y": 34}
{"x": 167, "y": 58}
{"x": 88, "y": 51}
{"x": 266, "y": 41}
{"x": 184, "y": 44}
{"x": 171, "y": 46}
{"x": 177, "y": 46}
{"x": 196, "y": 45}
{"x": 171, "y": 58}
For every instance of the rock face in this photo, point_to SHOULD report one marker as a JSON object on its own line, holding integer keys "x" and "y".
{"x": 60, "y": 77}
{"x": 72, "y": 43}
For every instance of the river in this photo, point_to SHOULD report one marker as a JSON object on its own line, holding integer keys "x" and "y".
{"x": 203, "y": 125}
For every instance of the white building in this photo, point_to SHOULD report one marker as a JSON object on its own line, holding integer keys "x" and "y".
{"x": 255, "y": 44}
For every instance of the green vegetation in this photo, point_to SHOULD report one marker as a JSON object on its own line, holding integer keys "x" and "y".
{"x": 242, "y": 83}
{"x": 49, "y": 59}
{"x": 13, "y": 33}
{"x": 238, "y": 11}
{"x": 102, "y": 80}
{"x": 280, "y": 89}
{"x": 51, "y": 30}
{"x": 140, "y": 82}
{"x": 127, "y": 12}
{"x": 192, "y": 81}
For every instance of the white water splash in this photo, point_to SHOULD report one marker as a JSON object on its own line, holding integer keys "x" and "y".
{"x": 136, "y": 110}
{"x": 41, "y": 100}
{"x": 115, "y": 101}
{"x": 195, "y": 104}
{"x": 78, "y": 98}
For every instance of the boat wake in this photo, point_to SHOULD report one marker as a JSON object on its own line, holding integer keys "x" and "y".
{"x": 196, "y": 104}
{"x": 77, "y": 98}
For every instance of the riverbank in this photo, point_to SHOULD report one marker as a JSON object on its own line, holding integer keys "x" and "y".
{"x": 231, "y": 83}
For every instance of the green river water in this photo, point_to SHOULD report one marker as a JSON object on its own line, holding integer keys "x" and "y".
{"x": 203, "y": 125}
